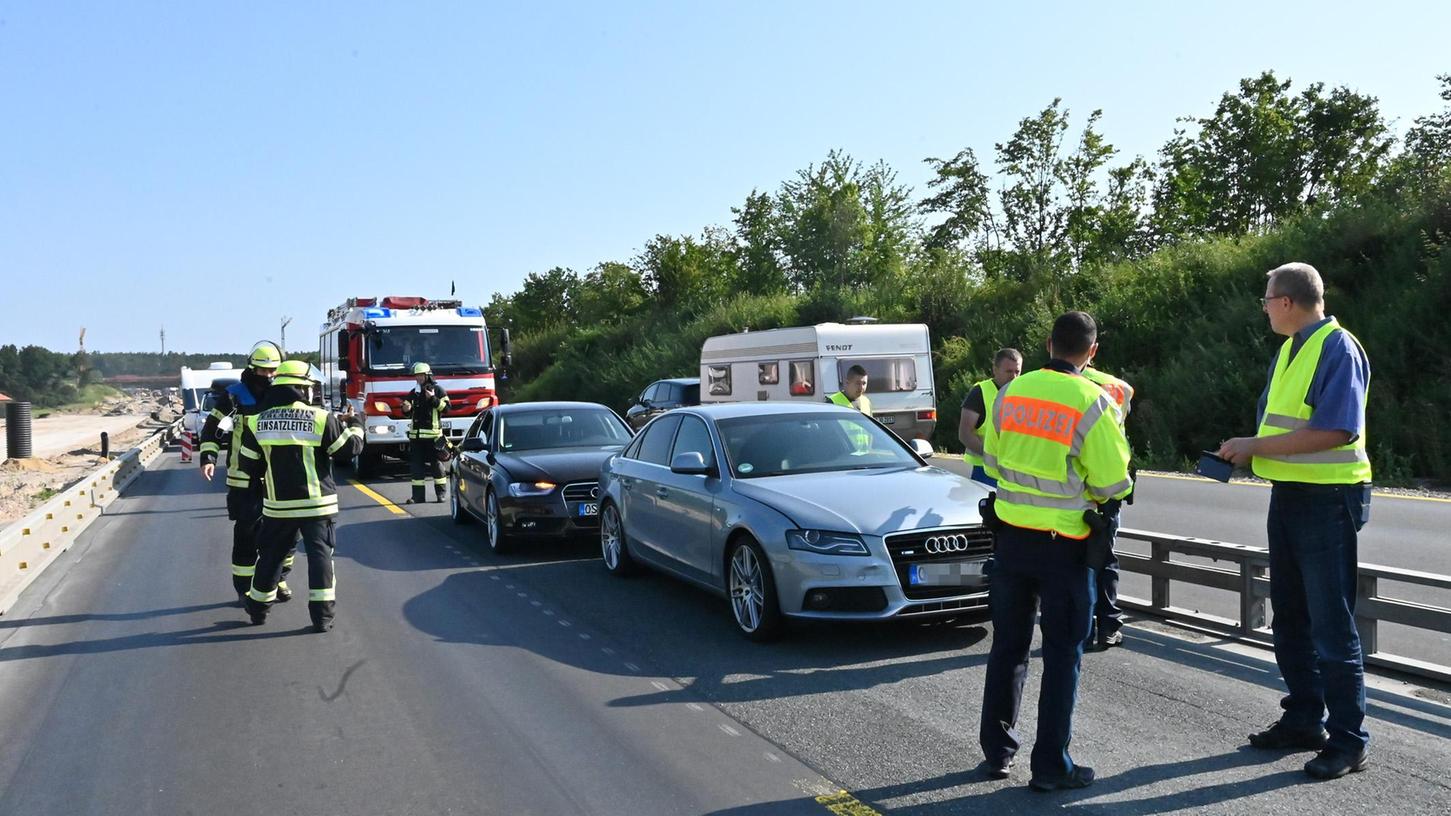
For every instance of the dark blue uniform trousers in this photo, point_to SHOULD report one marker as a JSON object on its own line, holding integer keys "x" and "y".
{"x": 1032, "y": 568}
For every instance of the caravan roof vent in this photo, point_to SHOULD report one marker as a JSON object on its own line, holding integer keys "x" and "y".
{"x": 861, "y": 320}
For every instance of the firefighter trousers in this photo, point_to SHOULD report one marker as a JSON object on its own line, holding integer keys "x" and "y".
{"x": 275, "y": 544}
{"x": 244, "y": 508}
{"x": 424, "y": 466}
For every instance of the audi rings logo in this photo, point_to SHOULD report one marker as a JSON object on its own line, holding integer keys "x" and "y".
{"x": 944, "y": 544}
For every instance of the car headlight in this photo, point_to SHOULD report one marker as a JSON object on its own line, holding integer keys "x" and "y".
{"x": 820, "y": 541}
{"x": 521, "y": 489}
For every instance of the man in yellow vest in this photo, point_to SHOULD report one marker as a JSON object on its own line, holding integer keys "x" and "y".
{"x": 853, "y": 393}
{"x": 1108, "y": 619}
{"x": 1311, "y": 447}
{"x": 1053, "y": 444}
{"x": 1007, "y": 365}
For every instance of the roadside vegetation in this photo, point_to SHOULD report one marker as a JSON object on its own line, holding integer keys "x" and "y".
{"x": 1169, "y": 253}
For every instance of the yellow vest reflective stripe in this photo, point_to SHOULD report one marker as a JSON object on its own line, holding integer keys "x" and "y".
{"x": 1052, "y": 454}
{"x": 989, "y": 396}
{"x": 1119, "y": 391}
{"x": 1286, "y": 411}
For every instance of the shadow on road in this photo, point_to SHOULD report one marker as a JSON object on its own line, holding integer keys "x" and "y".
{"x": 224, "y": 631}
{"x": 8, "y": 623}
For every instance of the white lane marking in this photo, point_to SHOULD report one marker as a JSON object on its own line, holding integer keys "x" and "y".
{"x": 607, "y": 650}
{"x": 632, "y": 667}
{"x": 583, "y": 636}
{"x": 536, "y": 603}
{"x": 549, "y": 612}
{"x": 726, "y": 728}
{"x": 695, "y": 706}
{"x": 772, "y": 757}
{"x": 565, "y": 623}
{"x": 493, "y": 577}
{"x": 659, "y": 685}
{"x": 506, "y": 586}
{"x": 522, "y": 594}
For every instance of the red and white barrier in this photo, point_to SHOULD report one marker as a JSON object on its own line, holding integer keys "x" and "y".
{"x": 186, "y": 446}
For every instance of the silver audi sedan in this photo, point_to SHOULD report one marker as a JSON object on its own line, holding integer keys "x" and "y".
{"x": 795, "y": 511}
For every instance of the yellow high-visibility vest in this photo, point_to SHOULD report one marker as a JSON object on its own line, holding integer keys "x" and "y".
{"x": 1052, "y": 453}
{"x": 1286, "y": 411}
{"x": 989, "y": 388}
{"x": 1118, "y": 390}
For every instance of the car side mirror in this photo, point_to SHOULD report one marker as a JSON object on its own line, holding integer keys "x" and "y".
{"x": 690, "y": 464}
{"x": 923, "y": 448}
{"x": 474, "y": 444}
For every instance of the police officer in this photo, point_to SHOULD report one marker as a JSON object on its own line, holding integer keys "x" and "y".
{"x": 853, "y": 393}
{"x": 244, "y": 494}
{"x": 1007, "y": 365}
{"x": 1108, "y": 619}
{"x": 1054, "y": 447}
{"x": 425, "y": 405}
{"x": 293, "y": 443}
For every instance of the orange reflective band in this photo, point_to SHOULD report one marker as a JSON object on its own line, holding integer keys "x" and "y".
{"x": 1052, "y": 421}
{"x": 1116, "y": 393}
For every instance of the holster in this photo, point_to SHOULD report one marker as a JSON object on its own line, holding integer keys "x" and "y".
{"x": 987, "y": 508}
{"x": 1099, "y": 544}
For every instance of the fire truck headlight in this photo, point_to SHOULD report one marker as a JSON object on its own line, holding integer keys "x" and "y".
{"x": 381, "y": 407}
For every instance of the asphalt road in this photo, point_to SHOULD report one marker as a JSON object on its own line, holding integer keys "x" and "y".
{"x": 457, "y": 682}
{"x": 1406, "y": 532}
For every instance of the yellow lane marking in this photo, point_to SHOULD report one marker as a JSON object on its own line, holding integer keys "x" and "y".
{"x": 1380, "y": 493}
{"x": 844, "y": 804}
{"x": 379, "y": 498}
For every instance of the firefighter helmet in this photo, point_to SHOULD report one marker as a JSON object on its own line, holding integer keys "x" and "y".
{"x": 265, "y": 355}
{"x": 293, "y": 372}
{"x": 421, "y": 368}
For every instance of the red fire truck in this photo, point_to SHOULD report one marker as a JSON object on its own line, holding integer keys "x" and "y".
{"x": 369, "y": 345}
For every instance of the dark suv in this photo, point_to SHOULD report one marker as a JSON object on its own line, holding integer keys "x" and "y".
{"x": 660, "y": 396}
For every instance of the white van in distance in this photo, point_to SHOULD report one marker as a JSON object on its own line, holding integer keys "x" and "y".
{"x": 808, "y": 363}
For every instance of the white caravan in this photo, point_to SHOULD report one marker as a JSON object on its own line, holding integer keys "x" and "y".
{"x": 807, "y": 363}
{"x": 196, "y": 383}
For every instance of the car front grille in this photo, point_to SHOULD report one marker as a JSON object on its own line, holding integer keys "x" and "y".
{"x": 936, "y": 546}
{"x": 582, "y": 492}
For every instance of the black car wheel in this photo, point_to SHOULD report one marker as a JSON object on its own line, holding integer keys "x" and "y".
{"x": 499, "y": 540}
{"x": 456, "y": 509}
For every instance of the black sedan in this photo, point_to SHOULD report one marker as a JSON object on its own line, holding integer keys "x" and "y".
{"x": 533, "y": 468}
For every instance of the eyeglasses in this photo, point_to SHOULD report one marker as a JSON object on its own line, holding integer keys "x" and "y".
{"x": 1265, "y": 301}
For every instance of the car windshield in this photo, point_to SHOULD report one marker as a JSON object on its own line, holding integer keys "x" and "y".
{"x": 809, "y": 443}
{"x": 446, "y": 349}
{"x": 570, "y": 428}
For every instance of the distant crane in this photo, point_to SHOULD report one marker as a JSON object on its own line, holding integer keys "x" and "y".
{"x": 83, "y": 339}
{"x": 285, "y": 321}
{"x": 163, "y": 341}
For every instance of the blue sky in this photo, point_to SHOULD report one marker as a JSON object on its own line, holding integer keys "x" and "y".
{"x": 215, "y": 166}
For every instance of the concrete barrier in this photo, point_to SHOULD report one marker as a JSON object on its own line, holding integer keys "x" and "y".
{"x": 29, "y": 545}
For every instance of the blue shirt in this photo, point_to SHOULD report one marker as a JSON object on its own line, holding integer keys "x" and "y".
{"x": 1337, "y": 389}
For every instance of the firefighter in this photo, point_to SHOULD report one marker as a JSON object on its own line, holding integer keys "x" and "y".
{"x": 1108, "y": 619}
{"x": 1056, "y": 451}
{"x": 293, "y": 443}
{"x": 425, "y": 405}
{"x": 244, "y": 494}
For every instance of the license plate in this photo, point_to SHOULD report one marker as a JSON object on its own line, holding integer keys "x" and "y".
{"x": 963, "y": 573}
{"x": 887, "y": 420}
{"x": 588, "y": 509}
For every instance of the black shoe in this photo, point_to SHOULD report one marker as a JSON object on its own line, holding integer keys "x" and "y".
{"x": 1281, "y": 737}
{"x": 283, "y": 594}
{"x": 1333, "y": 764}
{"x": 994, "y": 768}
{"x": 440, "y": 497}
{"x": 322, "y": 626}
{"x": 1080, "y": 777}
{"x": 413, "y": 501}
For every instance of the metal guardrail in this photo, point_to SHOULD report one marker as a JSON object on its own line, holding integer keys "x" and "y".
{"x": 1250, "y": 579}
{"x": 29, "y": 545}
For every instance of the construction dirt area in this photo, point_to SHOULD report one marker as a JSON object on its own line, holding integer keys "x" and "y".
{"x": 67, "y": 446}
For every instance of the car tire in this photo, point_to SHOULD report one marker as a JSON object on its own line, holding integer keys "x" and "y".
{"x": 500, "y": 541}
{"x": 751, "y": 591}
{"x": 614, "y": 546}
{"x": 456, "y": 509}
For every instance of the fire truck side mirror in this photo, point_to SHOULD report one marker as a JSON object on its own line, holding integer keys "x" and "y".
{"x": 507, "y": 348}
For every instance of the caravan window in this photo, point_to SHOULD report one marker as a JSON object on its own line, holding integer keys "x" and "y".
{"x": 885, "y": 375}
{"x": 768, "y": 373}
{"x": 802, "y": 383}
{"x": 719, "y": 380}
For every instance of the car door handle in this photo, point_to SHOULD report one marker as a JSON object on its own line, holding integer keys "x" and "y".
{"x": 662, "y": 492}
{"x": 626, "y": 484}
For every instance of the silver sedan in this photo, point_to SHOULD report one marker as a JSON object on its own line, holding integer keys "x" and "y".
{"x": 795, "y": 511}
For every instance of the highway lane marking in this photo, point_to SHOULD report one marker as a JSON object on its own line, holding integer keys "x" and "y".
{"x": 844, "y": 804}
{"x": 726, "y": 728}
{"x": 632, "y": 667}
{"x": 583, "y": 636}
{"x": 379, "y": 498}
{"x": 607, "y": 650}
{"x": 1236, "y": 483}
{"x": 771, "y": 757}
{"x": 565, "y": 623}
{"x": 659, "y": 686}
{"x": 695, "y": 706}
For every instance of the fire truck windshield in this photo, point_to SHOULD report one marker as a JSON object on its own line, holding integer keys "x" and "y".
{"x": 446, "y": 349}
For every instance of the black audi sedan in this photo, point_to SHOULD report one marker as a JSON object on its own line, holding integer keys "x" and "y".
{"x": 532, "y": 469}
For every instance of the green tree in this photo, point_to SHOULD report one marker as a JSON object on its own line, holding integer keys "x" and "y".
{"x": 757, "y": 247}
{"x": 611, "y": 292}
{"x": 546, "y": 299}
{"x": 686, "y": 274}
{"x": 964, "y": 198}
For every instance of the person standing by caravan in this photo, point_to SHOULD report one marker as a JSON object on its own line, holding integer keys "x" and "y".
{"x": 1007, "y": 365}
{"x": 853, "y": 393}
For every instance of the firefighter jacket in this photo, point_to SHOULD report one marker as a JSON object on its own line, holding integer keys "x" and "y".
{"x": 294, "y": 444}
{"x": 425, "y": 406}
{"x": 239, "y": 401}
